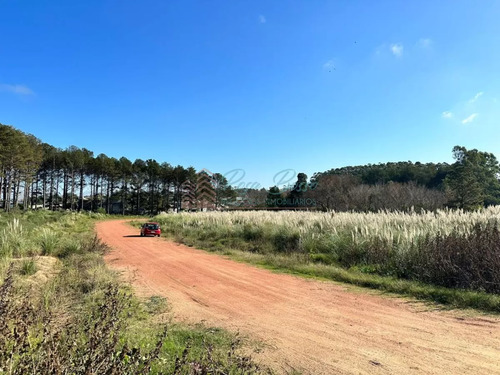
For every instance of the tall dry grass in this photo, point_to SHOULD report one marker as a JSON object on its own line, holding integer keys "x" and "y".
{"x": 451, "y": 248}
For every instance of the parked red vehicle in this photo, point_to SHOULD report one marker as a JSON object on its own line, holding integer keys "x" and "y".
{"x": 150, "y": 229}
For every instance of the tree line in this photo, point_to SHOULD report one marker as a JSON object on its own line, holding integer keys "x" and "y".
{"x": 35, "y": 174}
{"x": 471, "y": 182}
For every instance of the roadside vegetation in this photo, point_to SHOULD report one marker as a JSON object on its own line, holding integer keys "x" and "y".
{"x": 448, "y": 256}
{"x": 64, "y": 312}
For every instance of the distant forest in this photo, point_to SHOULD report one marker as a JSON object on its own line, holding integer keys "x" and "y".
{"x": 471, "y": 182}
{"x": 34, "y": 175}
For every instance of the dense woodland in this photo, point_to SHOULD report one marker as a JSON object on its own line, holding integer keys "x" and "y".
{"x": 470, "y": 183}
{"x": 34, "y": 174}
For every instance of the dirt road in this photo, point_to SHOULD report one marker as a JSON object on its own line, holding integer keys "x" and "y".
{"x": 312, "y": 326}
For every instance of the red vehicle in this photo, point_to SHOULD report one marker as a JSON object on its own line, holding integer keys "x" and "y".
{"x": 150, "y": 229}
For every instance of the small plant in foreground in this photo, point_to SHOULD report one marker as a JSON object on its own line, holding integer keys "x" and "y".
{"x": 48, "y": 241}
{"x": 95, "y": 245}
{"x": 156, "y": 305}
{"x": 28, "y": 267}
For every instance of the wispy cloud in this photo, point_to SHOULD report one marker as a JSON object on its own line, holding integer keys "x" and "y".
{"x": 262, "y": 19}
{"x": 397, "y": 49}
{"x": 424, "y": 42}
{"x": 447, "y": 114}
{"x": 330, "y": 64}
{"x": 469, "y": 119}
{"x": 476, "y": 97}
{"x": 16, "y": 89}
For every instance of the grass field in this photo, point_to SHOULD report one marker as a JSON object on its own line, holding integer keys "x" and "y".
{"x": 448, "y": 256}
{"x": 64, "y": 311}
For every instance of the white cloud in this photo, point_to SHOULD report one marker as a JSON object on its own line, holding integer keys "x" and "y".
{"x": 447, "y": 114}
{"x": 476, "y": 97}
{"x": 424, "y": 42}
{"x": 330, "y": 64}
{"x": 16, "y": 89}
{"x": 262, "y": 19}
{"x": 469, "y": 119}
{"x": 397, "y": 49}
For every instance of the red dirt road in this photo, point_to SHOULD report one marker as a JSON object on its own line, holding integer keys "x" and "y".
{"x": 307, "y": 325}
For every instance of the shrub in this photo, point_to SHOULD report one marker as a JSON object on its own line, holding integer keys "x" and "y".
{"x": 287, "y": 242}
{"x": 460, "y": 260}
{"x": 252, "y": 232}
{"x": 28, "y": 267}
{"x": 48, "y": 241}
{"x": 156, "y": 305}
{"x": 13, "y": 241}
{"x": 95, "y": 245}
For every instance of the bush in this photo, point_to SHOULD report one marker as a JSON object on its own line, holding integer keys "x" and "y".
{"x": 48, "y": 241}
{"x": 252, "y": 232}
{"x": 287, "y": 242}
{"x": 458, "y": 260}
{"x": 28, "y": 267}
{"x": 156, "y": 305}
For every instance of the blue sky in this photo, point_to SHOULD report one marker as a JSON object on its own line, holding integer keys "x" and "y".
{"x": 261, "y": 85}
